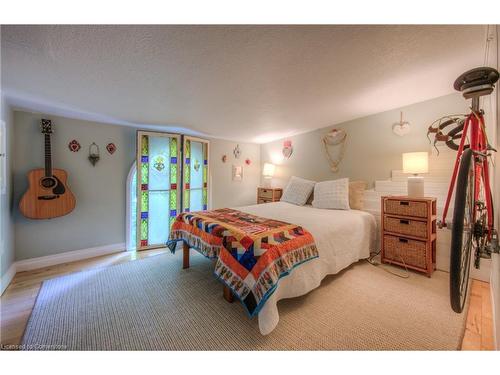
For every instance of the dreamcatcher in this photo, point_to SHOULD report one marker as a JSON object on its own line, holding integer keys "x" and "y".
{"x": 336, "y": 137}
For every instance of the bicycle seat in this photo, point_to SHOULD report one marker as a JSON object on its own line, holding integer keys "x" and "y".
{"x": 477, "y": 82}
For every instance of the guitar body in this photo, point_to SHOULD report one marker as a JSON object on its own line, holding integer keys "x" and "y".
{"x": 47, "y": 197}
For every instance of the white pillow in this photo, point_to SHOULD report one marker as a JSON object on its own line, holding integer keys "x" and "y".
{"x": 332, "y": 194}
{"x": 297, "y": 191}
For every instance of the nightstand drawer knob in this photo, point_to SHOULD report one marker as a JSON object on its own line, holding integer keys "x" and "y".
{"x": 407, "y": 222}
{"x": 404, "y": 203}
{"x": 403, "y": 240}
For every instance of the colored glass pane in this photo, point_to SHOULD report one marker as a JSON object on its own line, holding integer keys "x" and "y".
{"x": 187, "y": 155}
{"x": 144, "y": 201}
{"x": 205, "y": 164}
{"x": 186, "y": 200}
{"x": 144, "y": 173}
{"x": 187, "y": 149}
{"x": 144, "y": 229}
{"x": 173, "y": 147}
{"x": 173, "y": 173}
{"x": 173, "y": 200}
{"x": 144, "y": 145}
{"x": 173, "y": 207}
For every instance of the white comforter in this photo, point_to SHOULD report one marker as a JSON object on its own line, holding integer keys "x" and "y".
{"x": 342, "y": 238}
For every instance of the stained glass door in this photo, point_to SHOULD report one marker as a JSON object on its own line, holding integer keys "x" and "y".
{"x": 195, "y": 174}
{"x": 158, "y": 197}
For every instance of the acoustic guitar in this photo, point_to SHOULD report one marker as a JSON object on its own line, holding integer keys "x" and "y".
{"x": 48, "y": 195}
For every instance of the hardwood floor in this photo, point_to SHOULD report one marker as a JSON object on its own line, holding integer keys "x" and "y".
{"x": 18, "y": 300}
{"x": 479, "y": 326}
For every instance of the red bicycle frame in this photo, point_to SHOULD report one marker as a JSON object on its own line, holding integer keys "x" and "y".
{"x": 479, "y": 146}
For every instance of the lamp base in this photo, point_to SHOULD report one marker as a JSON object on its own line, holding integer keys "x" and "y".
{"x": 267, "y": 183}
{"x": 416, "y": 187}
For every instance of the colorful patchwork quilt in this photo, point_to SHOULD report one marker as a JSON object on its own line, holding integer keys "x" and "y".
{"x": 252, "y": 252}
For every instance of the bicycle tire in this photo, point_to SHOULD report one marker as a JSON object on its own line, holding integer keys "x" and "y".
{"x": 460, "y": 253}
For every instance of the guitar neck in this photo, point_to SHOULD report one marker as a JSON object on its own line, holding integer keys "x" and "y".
{"x": 48, "y": 156}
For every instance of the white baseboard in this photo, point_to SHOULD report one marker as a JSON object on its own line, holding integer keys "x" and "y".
{"x": 66, "y": 257}
{"x": 7, "y": 278}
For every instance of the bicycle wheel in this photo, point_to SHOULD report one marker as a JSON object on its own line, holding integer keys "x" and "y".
{"x": 462, "y": 233}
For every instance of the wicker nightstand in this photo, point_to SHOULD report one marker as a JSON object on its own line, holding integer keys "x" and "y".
{"x": 267, "y": 195}
{"x": 409, "y": 232}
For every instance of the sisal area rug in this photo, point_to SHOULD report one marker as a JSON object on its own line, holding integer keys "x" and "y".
{"x": 152, "y": 304}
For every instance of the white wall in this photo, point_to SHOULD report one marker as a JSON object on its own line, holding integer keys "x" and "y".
{"x": 99, "y": 216}
{"x": 372, "y": 149}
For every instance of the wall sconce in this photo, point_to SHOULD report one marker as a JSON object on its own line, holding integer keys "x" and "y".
{"x": 94, "y": 154}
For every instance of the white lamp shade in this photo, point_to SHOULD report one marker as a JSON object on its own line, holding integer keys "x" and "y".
{"x": 268, "y": 170}
{"x": 415, "y": 162}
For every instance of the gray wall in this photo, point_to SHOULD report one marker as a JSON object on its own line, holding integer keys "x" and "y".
{"x": 7, "y": 228}
{"x": 228, "y": 193}
{"x": 99, "y": 216}
{"x": 372, "y": 150}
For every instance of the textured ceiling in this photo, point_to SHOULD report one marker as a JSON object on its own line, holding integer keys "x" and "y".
{"x": 247, "y": 83}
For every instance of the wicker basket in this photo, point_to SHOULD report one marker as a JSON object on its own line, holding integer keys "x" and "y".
{"x": 410, "y": 227}
{"x": 411, "y": 252}
{"x": 405, "y": 208}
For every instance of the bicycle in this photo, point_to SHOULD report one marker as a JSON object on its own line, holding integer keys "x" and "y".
{"x": 472, "y": 226}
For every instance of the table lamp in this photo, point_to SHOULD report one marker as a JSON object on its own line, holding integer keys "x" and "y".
{"x": 415, "y": 163}
{"x": 268, "y": 173}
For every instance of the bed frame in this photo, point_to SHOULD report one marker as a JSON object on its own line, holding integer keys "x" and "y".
{"x": 226, "y": 292}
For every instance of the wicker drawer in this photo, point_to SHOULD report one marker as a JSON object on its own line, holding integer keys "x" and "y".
{"x": 409, "y": 227}
{"x": 262, "y": 200}
{"x": 266, "y": 193}
{"x": 405, "y": 207}
{"x": 399, "y": 249}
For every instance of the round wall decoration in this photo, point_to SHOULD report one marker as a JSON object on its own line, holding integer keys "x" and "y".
{"x": 111, "y": 148}
{"x": 74, "y": 146}
{"x": 248, "y": 162}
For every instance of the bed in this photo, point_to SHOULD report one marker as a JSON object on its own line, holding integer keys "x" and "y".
{"x": 340, "y": 238}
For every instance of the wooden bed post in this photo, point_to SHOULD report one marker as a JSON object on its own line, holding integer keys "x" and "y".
{"x": 185, "y": 255}
{"x": 228, "y": 295}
